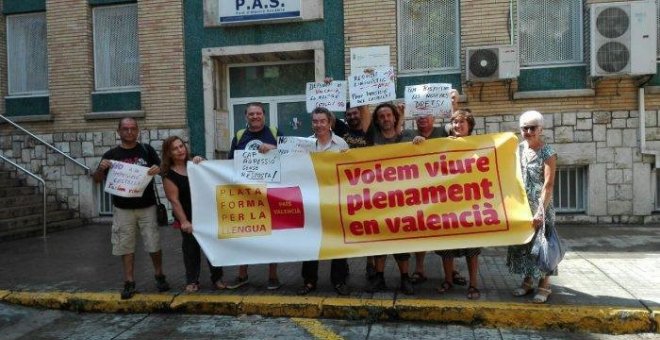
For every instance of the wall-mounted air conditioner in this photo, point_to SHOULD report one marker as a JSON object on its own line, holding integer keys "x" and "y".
{"x": 490, "y": 63}
{"x": 623, "y": 38}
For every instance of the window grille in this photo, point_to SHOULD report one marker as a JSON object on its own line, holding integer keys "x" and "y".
{"x": 550, "y": 32}
{"x": 657, "y": 190}
{"x": 570, "y": 192}
{"x": 27, "y": 54}
{"x": 104, "y": 199}
{"x": 116, "y": 56}
{"x": 428, "y": 35}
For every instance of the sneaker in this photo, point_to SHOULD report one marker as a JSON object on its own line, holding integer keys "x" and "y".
{"x": 306, "y": 289}
{"x": 407, "y": 286}
{"x": 238, "y": 282}
{"x": 370, "y": 270}
{"x": 161, "y": 283}
{"x": 342, "y": 289}
{"x": 377, "y": 284}
{"x": 129, "y": 290}
{"x": 273, "y": 284}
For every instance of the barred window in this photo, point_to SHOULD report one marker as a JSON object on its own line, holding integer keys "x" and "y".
{"x": 570, "y": 192}
{"x": 27, "y": 54}
{"x": 116, "y": 58}
{"x": 550, "y": 32}
{"x": 428, "y": 36}
{"x": 104, "y": 200}
{"x": 657, "y": 190}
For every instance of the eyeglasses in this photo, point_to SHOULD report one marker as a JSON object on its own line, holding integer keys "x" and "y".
{"x": 530, "y": 128}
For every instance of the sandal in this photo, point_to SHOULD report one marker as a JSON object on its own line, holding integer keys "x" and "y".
{"x": 525, "y": 289}
{"x": 473, "y": 293}
{"x": 418, "y": 277}
{"x": 444, "y": 287}
{"x": 541, "y": 295}
{"x": 306, "y": 289}
{"x": 192, "y": 287}
{"x": 457, "y": 279}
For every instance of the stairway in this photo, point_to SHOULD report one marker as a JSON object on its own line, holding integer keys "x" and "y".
{"x": 21, "y": 210}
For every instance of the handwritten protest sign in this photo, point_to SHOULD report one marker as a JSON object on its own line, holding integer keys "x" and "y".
{"x": 373, "y": 57}
{"x": 127, "y": 180}
{"x": 254, "y": 166}
{"x": 331, "y": 96}
{"x": 291, "y": 144}
{"x": 372, "y": 88}
{"x": 429, "y": 99}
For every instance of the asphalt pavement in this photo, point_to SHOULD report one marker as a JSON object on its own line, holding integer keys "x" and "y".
{"x": 608, "y": 283}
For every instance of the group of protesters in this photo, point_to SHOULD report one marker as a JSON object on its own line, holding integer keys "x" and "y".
{"x": 385, "y": 126}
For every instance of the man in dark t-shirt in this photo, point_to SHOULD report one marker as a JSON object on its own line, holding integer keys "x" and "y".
{"x": 257, "y": 136}
{"x": 134, "y": 214}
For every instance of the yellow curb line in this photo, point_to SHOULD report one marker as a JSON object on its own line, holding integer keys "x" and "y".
{"x": 655, "y": 316}
{"x": 316, "y": 329}
{"x": 598, "y": 319}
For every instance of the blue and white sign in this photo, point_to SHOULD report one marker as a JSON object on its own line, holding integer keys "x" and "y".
{"x": 245, "y": 11}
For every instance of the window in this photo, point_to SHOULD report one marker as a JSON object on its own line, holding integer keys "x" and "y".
{"x": 116, "y": 58}
{"x": 550, "y": 32}
{"x": 570, "y": 190}
{"x": 104, "y": 199}
{"x": 429, "y": 36}
{"x": 657, "y": 190}
{"x": 27, "y": 55}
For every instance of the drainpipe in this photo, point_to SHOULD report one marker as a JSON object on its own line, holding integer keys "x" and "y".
{"x": 642, "y": 130}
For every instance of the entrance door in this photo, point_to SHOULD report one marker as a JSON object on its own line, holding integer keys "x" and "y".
{"x": 280, "y": 87}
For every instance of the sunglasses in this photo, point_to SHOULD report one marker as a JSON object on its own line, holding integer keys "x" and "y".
{"x": 530, "y": 128}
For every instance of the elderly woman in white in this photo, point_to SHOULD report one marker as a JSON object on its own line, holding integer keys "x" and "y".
{"x": 538, "y": 163}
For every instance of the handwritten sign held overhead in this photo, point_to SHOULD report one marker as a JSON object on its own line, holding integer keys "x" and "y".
{"x": 372, "y": 88}
{"x": 331, "y": 96}
{"x": 292, "y": 144}
{"x": 429, "y": 99}
{"x": 127, "y": 180}
{"x": 254, "y": 166}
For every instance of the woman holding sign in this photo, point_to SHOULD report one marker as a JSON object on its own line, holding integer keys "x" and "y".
{"x": 177, "y": 189}
{"x": 538, "y": 163}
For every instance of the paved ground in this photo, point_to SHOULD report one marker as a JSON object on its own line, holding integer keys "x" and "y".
{"x": 17, "y": 322}
{"x": 616, "y": 266}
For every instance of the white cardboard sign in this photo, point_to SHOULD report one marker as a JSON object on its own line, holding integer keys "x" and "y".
{"x": 372, "y": 88}
{"x": 429, "y": 99}
{"x": 126, "y": 180}
{"x": 331, "y": 96}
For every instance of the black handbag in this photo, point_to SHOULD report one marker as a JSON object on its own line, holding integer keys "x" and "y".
{"x": 161, "y": 211}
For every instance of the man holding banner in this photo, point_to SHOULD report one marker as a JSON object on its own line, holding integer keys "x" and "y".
{"x": 326, "y": 140}
{"x": 131, "y": 214}
{"x": 385, "y": 120}
{"x": 255, "y": 137}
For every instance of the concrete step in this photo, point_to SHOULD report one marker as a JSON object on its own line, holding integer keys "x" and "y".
{"x": 17, "y": 191}
{"x": 34, "y": 219}
{"x": 25, "y": 209}
{"x": 5, "y": 174}
{"x": 20, "y": 200}
{"x": 37, "y": 230}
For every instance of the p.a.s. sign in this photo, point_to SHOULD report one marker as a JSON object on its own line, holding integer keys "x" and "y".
{"x": 255, "y": 11}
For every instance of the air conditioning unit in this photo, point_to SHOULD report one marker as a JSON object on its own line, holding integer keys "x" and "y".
{"x": 623, "y": 38}
{"x": 490, "y": 63}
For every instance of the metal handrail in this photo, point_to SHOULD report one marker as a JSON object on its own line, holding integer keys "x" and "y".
{"x": 43, "y": 183}
{"x": 46, "y": 144}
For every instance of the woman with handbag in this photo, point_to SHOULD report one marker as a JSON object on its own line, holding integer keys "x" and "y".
{"x": 177, "y": 189}
{"x": 538, "y": 164}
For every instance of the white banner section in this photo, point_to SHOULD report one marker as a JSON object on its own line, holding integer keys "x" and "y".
{"x": 229, "y": 221}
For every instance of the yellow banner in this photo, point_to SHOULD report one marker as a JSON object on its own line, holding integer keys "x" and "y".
{"x": 442, "y": 194}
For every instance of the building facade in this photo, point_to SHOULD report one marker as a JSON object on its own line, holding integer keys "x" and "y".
{"x": 71, "y": 68}
{"x": 605, "y": 129}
